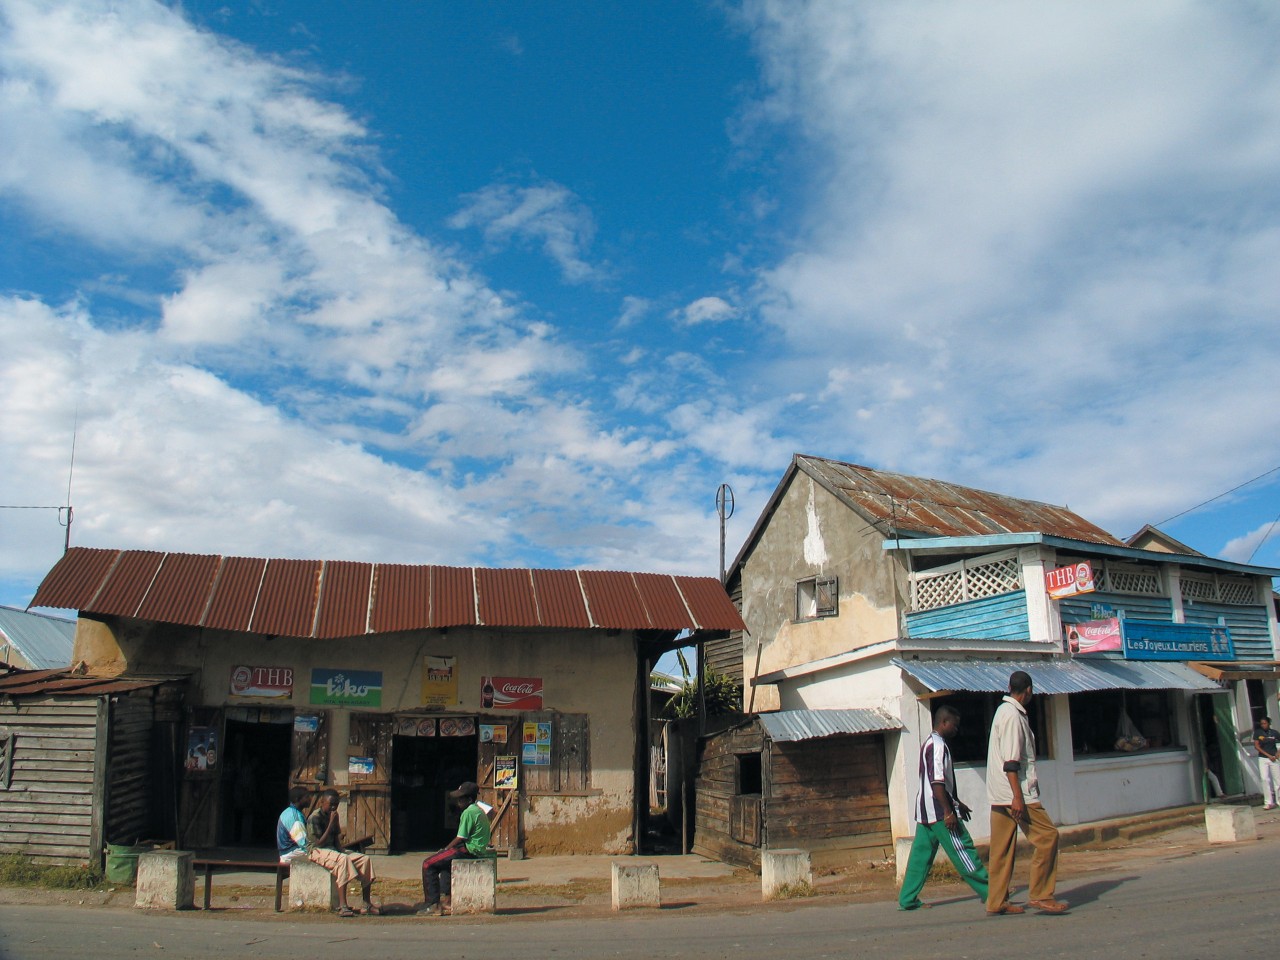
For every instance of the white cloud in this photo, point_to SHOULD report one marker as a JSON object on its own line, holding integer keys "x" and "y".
{"x": 706, "y": 310}
{"x": 547, "y": 214}
{"x": 1035, "y": 255}
{"x": 1243, "y": 548}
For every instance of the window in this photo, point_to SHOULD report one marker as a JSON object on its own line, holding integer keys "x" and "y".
{"x": 1097, "y": 720}
{"x": 750, "y": 774}
{"x": 7, "y": 739}
{"x": 976, "y": 713}
{"x": 817, "y": 597}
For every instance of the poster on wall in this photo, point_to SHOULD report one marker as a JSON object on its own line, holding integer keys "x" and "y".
{"x": 306, "y": 723}
{"x": 1093, "y": 636}
{"x": 511, "y": 693}
{"x": 202, "y": 749}
{"x": 360, "y": 765}
{"x": 493, "y": 733}
{"x": 504, "y": 773}
{"x": 536, "y": 748}
{"x": 439, "y": 681}
{"x": 274, "y": 683}
{"x": 1069, "y": 580}
{"x": 346, "y": 688}
{"x": 457, "y": 727}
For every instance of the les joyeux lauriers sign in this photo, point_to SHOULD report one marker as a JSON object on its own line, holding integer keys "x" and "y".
{"x": 511, "y": 693}
{"x": 270, "y": 682}
{"x": 1069, "y": 581}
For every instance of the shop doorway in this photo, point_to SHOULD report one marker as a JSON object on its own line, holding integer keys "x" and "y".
{"x": 1219, "y": 746}
{"x": 255, "y": 781}
{"x": 423, "y": 770}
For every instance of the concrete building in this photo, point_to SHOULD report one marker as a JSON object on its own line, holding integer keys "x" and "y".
{"x": 866, "y": 589}
{"x": 394, "y": 683}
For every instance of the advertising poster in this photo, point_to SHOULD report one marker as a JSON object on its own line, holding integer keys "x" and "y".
{"x": 536, "y": 749}
{"x": 346, "y": 688}
{"x": 504, "y": 773}
{"x": 360, "y": 765}
{"x": 439, "y": 681}
{"x": 202, "y": 749}
{"x": 1093, "y": 636}
{"x": 1069, "y": 581}
{"x": 457, "y": 727}
{"x": 493, "y": 733}
{"x": 306, "y": 723}
{"x": 274, "y": 683}
{"x": 511, "y": 693}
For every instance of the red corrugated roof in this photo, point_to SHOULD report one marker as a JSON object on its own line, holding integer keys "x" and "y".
{"x": 29, "y": 683}
{"x": 307, "y": 598}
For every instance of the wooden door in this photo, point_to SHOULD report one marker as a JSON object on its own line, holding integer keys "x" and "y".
{"x": 369, "y": 803}
{"x": 198, "y": 800}
{"x": 309, "y": 766}
{"x": 504, "y": 821}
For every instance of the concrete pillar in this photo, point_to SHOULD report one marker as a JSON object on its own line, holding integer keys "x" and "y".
{"x": 311, "y": 886}
{"x": 1229, "y": 824}
{"x": 635, "y": 885}
{"x": 901, "y": 854}
{"x": 785, "y": 873}
{"x": 166, "y": 880}
{"x": 475, "y": 885}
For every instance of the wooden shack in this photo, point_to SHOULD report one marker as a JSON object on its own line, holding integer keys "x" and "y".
{"x": 808, "y": 779}
{"x": 79, "y": 764}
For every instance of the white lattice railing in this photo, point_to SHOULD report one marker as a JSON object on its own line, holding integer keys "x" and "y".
{"x": 1219, "y": 589}
{"x": 1131, "y": 578}
{"x": 966, "y": 580}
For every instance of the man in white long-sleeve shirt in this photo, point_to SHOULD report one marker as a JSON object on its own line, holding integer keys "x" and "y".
{"x": 1014, "y": 792}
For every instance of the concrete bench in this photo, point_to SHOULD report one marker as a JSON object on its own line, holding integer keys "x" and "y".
{"x": 166, "y": 880}
{"x": 281, "y": 870}
{"x": 475, "y": 885}
{"x": 635, "y": 886}
{"x": 785, "y": 873}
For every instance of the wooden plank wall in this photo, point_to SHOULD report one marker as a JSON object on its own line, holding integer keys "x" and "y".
{"x": 129, "y": 773}
{"x": 716, "y": 785}
{"x": 828, "y": 794}
{"x": 48, "y": 812}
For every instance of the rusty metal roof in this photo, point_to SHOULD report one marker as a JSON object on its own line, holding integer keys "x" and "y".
{"x": 39, "y": 683}
{"x": 330, "y": 599}
{"x": 916, "y": 506}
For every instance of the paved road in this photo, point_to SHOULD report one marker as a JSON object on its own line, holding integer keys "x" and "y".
{"x": 1214, "y": 903}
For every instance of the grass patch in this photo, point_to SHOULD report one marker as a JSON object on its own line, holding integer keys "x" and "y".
{"x": 791, "y": 891}
{"x": 17, "y": 871}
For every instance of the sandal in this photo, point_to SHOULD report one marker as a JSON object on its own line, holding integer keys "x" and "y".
{"x": 346, "y": 912}
{"x": 371, "y": 910}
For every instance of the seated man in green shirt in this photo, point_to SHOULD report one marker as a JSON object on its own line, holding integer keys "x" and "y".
{"x": 471, "y": 843}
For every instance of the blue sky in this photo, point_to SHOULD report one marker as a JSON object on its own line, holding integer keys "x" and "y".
{"x": 521, "y": 283}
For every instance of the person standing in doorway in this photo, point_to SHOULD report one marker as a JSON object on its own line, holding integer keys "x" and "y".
{"x": 1014, "y": 792}
{"x": 940, "y": 816}
{"x": 1265, "y": 739}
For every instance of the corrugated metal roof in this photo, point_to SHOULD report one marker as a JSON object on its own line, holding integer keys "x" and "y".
{"x": 44, "y": 642}
{"x": 1056, "y": 676}
{"x": 39, "y": 683}
{"x": 920, "y": 506}
{"x": 789, "y": 725}
{"x": 308, "y": 598}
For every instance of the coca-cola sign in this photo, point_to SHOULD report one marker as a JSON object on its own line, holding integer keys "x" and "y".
{"x": 511, "y": 693}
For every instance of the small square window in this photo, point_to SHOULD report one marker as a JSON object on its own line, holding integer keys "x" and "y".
{"x": 817, "y": 597}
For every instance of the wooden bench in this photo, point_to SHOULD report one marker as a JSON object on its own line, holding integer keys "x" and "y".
{"x": 281, "y": 871}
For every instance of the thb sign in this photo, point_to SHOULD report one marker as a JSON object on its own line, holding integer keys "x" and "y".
{"x": 273, "y": 682}
{"x": 1069, "y": 581}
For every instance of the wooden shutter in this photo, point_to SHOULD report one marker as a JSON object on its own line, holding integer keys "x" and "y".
{"x": 369, "y": 806}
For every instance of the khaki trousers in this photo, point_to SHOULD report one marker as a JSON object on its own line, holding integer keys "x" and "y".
{"x": 345, "y": 867}
{"x": 1004, "y": 854}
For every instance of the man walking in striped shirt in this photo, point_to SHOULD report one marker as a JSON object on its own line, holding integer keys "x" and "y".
{"x": 940, "y": 816}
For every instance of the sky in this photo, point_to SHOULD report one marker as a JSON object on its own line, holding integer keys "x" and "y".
{"x": 521, "y": 284}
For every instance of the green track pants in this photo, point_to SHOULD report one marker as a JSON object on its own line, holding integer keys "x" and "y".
{"x": 959, "y": 849}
